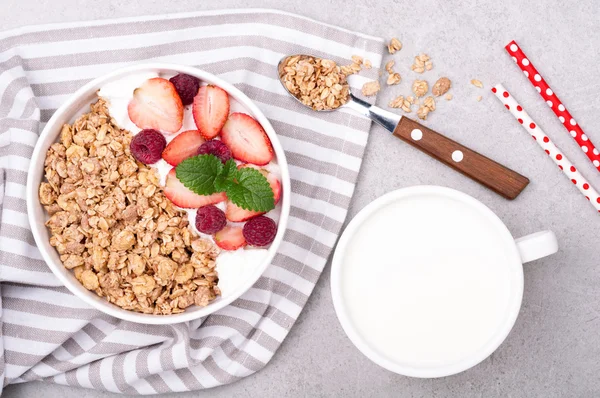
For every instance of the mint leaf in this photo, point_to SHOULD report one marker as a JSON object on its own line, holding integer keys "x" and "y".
{"x": 199, "y": 173}
{"x": 227, "y": 176}
{"x": 247, "y": 188}
{"x": 251, "y": 191}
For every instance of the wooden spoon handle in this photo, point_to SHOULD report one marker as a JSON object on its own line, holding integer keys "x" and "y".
{"x": 487, "y": 172}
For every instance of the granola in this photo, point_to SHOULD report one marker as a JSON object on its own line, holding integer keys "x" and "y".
{"x": 350, "y": 69}
{"x": 393, "y": 78}
{"x": 357, "y": 59}
{"x": 316, "y": 82}
{"x": 394, "y": 45}
{"x": 420, "y": 88}
{"x": 371, "y": 88}
{"x": 422, "y": 63}
{"x": 389, "y": 66}
{"x": 477, "y": 83}
{"x": 396, "y": 102}
{"x": 112, "y": 225}
{"x": 402, "y": 103}
{"x": 427, "y": 106}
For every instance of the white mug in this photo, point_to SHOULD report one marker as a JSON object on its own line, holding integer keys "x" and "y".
{"x": 428, "y": 282}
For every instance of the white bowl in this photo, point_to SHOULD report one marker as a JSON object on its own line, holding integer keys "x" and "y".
{"x": 76, "y": 105}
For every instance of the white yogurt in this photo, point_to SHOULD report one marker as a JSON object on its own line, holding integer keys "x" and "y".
{"x": 233, "y": 267}
{"x": 425, "y": 281}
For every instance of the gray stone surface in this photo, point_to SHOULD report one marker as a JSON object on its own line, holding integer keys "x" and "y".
{"x": 554, "y": 348}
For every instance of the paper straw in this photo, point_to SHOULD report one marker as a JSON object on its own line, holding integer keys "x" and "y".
{"x": 551, "y": 150}
{"x": 554, "y": 102}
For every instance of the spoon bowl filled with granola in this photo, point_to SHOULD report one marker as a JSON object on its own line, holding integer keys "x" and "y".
{"x": 158, "y": 193}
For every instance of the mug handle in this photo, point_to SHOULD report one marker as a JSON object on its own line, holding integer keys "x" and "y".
{"x": 537, "y": 245}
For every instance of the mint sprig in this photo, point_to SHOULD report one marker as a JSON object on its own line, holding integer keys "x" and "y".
{"x": 228, "y": 174}
{"x": 248, "y": 188}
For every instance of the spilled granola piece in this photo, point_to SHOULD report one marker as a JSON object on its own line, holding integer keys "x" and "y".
{"x": 371, "y": 88}
{"x": 422, "y": 63}
{"x": 394, "y": 45}
{"x": 430, "y": 103}
{"x": 396, "y": 102}
{"x": 389, "y": 66}
{"x": 393, "y": 78}
{"x": 350, "y": 69}
{"x": 402, "y": 103}
{"x": 357, "y": 59}
{"x": 477, "y": 83}
{"x": 420, "y": 88}
{"x": 426, "y": 107}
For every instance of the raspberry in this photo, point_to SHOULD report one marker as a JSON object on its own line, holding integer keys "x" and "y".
{"x": 187, "y": 87}
{"x": 260, "y": 231}
{"x": 147, "y": 146}
{"x": 210, "y": 219}
{"x": 217, "y": 148}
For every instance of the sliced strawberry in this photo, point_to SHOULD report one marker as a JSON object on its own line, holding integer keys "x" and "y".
{"x": 275, "y": 186}
{"x": 177, "y": 193}
{"x": 182, "y": 147}
{"x": 247, "y": 139}
{"x": 235, "y": 213}
{"x": 230, "y": 238}
{"x": 156, "y": 105}
{"x": 210, "y": 110}
{"x": 273, "y": 181}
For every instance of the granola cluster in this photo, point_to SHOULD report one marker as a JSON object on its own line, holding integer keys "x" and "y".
{"x": 402, "y": 103}
{"x": 420, "y": 88}
{"x": 394, "y": 45}
{"x": 114, "y": 228}
{"x": 422, "y": 63}
{"x": 427, "y": 106}
{"x": 370, "y": 88}
{"x": 318, "y": 83}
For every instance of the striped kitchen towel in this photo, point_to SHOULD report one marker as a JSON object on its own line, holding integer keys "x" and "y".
{"x": 47, "y": 333}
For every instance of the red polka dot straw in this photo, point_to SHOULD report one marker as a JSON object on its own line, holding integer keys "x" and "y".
{"x": 546, "y": 144}
{"x": 554, "y": 102}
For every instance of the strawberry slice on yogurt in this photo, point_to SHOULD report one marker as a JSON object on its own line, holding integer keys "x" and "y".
{"x": 247, "y": 139}
{"x": 183, "y": 146}
{"x": 177, "y": 193}
{"x": 210, "y": 110}
{"x": 230, "y": 238}
{"x": 156, "y": 105}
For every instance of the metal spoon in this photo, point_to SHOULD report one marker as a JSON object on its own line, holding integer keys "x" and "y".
{"x": 485, "y": 171}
